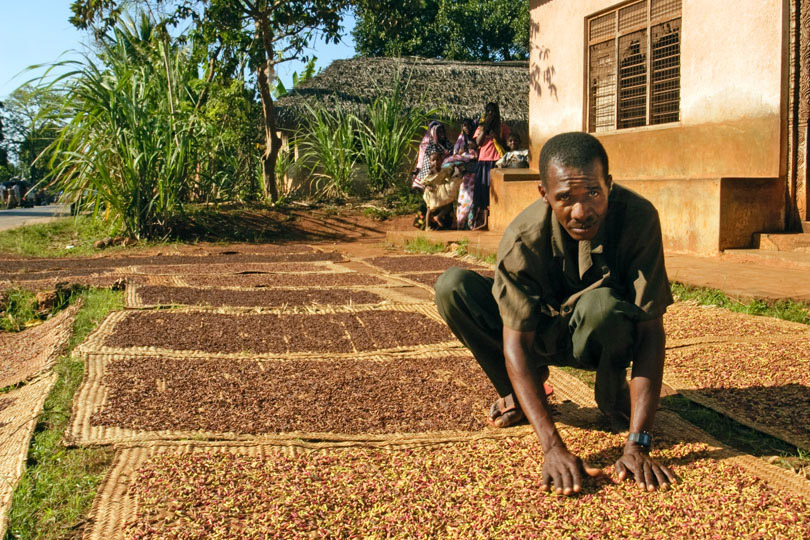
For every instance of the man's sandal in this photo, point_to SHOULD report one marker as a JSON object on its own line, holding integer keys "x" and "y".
{"x": 505, "y": 412}
{"x": 508, "y": 410}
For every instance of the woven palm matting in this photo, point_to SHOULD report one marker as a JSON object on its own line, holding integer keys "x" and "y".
{"x": 19, "y": 410}
{"x": 438, "y": 262}
{"x": 151, "y": 296}
{"x": 381, "y": 398}
{"x": 426, "y": 314}
{"x": 762, "y": 384}
{"x": 433, "y": 479}
{"x": 349, "y": 279}
{"x": 225, "y": 268}
{"x": 25, "y": 354}
{"x": 687, "y": 323}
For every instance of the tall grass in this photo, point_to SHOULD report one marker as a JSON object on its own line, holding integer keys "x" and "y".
{"x": 388, "y": 135}
{"x": 128, "y": 148}
{"x": 327, "y": 146}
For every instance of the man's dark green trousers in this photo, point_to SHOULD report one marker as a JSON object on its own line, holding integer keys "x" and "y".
{"x": 598, "y": 335}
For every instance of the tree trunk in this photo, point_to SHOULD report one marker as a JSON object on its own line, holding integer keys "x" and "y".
{"x": 272, "y": 143}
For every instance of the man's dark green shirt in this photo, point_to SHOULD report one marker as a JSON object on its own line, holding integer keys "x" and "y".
{"x": 542, "y": 271}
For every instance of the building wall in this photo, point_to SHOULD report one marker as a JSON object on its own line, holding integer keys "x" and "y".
{"x": 733, "y": 117}
{"x": 732, "y": 91}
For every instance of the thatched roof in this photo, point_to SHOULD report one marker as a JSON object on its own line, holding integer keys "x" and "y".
{"x": 461, "y": 88}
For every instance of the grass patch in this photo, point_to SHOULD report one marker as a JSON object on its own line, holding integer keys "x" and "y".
{"x": 67, "y": 236}
{"x": 783, "y": 309}
{"x": 19, "y": 308}
{"x": 58, "y": 486}
{"x": 420, "y": 244}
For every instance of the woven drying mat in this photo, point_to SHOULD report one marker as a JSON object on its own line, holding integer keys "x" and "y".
{"x": 473, "y": 489}
{"x": 393, "y": 399}
{"x": 257, "y": 249}
{"x": 764, "y": 385}
{"x": 348, "y": 279}
{"x": 687, "y": 323}
{"x": 428, "y": 279}
{"x": 313, "y": 331}
{"x": 25, "y": 354}
{"x": 568, "y": 387}
{"x": 236, "y": 268}
{"x": 150, "y": 297}
{"x": 406, "y": 264}
{"x": 19, "y": 410}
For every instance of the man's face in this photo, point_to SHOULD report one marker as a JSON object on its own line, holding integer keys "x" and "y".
{"x": 578, "y": 197}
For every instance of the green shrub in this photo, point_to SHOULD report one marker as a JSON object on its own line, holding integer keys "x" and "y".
{"x": 327, "y": 148}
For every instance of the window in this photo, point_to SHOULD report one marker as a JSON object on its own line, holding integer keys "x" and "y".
{"x": 634, "y": 65}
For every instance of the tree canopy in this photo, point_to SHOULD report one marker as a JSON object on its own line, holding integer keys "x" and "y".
{"x": 267, "y": 32}
{"x": 485, "y": 30}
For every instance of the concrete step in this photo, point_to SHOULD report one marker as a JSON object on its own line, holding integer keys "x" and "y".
{"x": 764, "y": 257}
{"x": 798, "y": 242}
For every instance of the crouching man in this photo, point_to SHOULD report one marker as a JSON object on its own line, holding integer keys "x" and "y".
{"x": 580, "y": 281}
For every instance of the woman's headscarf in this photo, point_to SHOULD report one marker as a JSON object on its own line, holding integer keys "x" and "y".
{"x": 430, "y": 134}
{"x": 431, "y": 138}
{"x": 463, "y": 141}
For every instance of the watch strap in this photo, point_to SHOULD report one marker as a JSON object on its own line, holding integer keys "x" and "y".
{"x": 642, "y": 438}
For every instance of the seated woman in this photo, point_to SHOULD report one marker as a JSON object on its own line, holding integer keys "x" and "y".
{"x": 441, "y": 190}
{"x": 465, "y": 138}
{"x": 436, "y": 135}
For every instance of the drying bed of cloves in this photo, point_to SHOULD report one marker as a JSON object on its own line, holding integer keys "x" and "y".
{"x": 688, "y": 321}
{"x": 189, "y": 296}
{"x": 277, "y": 333}
{"x": 419, "y": 263}
{"x": 766, "y": 382}
{"x": 10, "y": 268}
{"x": 429, "y": 278}
{"x": 483, "y": 489}
{"x": 350, "y": 396}
{"x": 344, "y": 279}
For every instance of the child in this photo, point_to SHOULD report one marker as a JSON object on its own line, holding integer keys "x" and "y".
{"x": 514, "y": 158}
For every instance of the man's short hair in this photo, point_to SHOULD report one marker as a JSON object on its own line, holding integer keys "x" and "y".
{"x": 573, "y": 149}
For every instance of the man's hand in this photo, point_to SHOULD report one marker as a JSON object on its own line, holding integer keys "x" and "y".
{"x": 565, "y": 471}
{"x": 648, "y": 474}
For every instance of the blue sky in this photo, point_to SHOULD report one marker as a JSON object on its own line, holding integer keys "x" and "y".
{"x": 38, "y": 31}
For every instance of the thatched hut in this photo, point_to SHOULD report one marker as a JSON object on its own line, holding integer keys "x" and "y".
{"x": 459, "y": 89}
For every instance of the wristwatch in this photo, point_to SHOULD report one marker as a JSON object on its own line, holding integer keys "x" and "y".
{"x": 641, "y": 438}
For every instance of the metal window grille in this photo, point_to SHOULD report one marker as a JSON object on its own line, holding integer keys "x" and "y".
{"x": 633, "y": 16}
{"x": 634, "y": 59}
{"x": 602, "y": 86}
{"x": 602, "y": 27}
{"x": 665, "y": 9}
{"x": 632, "y": 104}
{"x": 665, "y": 77}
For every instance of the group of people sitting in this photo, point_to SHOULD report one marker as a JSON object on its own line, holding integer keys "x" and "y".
{"x": 454, "y": 179}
